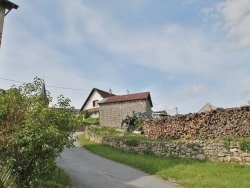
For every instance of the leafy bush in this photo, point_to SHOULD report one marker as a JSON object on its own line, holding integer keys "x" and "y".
{"x": 32, "y": 135}
{"x": 148, "y": 152}
{"x": 245, "y": 144}
{"x": 56, "y": 179}
{"x": 85, "y": 114}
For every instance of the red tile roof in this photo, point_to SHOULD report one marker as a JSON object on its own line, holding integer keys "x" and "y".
{"x": 129, "y": 97}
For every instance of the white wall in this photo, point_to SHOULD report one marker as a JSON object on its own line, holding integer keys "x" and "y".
{"x": 94, "y": 96}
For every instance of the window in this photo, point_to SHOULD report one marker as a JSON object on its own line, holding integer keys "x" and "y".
{"x": 95, "y": 103}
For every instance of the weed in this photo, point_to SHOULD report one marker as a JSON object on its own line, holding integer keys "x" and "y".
{"x": 245, "y": 144}
{"x": 132, "y": 142}
{"x": 227, "y": 140}
{"x": 148, "y": 152}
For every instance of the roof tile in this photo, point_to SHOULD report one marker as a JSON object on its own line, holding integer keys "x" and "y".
{"x": 129, "y": 97}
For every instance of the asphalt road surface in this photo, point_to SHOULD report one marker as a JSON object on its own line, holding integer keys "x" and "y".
{"x": 87, "y": 170}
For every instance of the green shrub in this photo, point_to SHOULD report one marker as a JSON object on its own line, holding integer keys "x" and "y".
{"x": 148, "y": 152}
{"x": 55, "y": 179}
{"x": 85, "y": 114}
{"x": 245, "y": 144}
{"x": 32, "y": 135}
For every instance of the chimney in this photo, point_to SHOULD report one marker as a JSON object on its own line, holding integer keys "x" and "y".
{"x": 110, "y": 91}
{"x": 127, "y": 92}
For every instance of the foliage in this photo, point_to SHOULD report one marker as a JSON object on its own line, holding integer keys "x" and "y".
{"x": 32, "y": 134}
{"x": 55, "y": 179}
{"x": 7, "y": 178}
{"x": 148, "y": 152}
{"x": 85, "y": 114}
{"x": 132, "y": 142}
{"x": 227, "y": 140}
{"x": 139, "y": 122}
{"x": 245, "y": 144}
{"x": 189, "y": 173}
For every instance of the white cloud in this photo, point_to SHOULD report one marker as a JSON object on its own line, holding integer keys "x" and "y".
{"x": 167, "y": 48}
{"x": 186, "y": 53}
{"x": 234, "y": 17}
{"x": 194, "y": 91}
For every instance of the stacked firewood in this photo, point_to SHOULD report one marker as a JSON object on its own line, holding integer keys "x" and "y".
{"x": 233, "y": 122}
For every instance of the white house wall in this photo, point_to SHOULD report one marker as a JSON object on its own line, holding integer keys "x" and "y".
{"x": 94, "y": 96}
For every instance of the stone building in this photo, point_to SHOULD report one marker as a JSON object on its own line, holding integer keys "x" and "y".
{"x": 114, "y": 109}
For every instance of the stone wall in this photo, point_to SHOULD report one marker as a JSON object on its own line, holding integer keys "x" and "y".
{"x": 221, "y": 151}
{"x": 232, "y": 122}
{"x": 112, "y": 114}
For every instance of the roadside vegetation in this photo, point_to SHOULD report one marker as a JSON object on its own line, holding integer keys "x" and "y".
{"x": 32, "y": 136}
{"x": 56, "y": 179}
{"x": 114, "y": 132}
{"x": 188, "y": 173}
{"x": 87, "y": 119}
{"x": 91, "y": 121}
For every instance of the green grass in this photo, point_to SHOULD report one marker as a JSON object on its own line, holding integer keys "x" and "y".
{"x": 56, "y": 179}
{"x": 245, "y": 143}
{"x": 113, "y": 132}
{"x": 91, "y": 121}
{"x": 188, "y": 173}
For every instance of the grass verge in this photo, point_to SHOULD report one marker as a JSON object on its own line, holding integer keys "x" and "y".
{"x": 113, "y": 132}
{"x": 56, "y": 179}
{"x": 188, "y": 173}
{"x": 92, "y": 121}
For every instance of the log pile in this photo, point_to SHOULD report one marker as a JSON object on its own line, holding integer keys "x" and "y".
{"x": 232, "y": 122}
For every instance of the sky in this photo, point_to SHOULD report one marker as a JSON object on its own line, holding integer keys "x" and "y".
{"x": 186, "y": 53}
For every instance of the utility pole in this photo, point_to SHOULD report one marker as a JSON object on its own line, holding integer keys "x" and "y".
{"x": 176, "y": 110}
{"x": 5, "y": 5}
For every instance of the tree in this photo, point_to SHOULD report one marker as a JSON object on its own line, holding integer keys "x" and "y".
{"x": 32, "y": 135}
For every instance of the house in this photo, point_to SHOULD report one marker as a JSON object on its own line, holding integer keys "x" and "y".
{"x": 91, "y": 103}
{"x": 114, "y": 109}
{"x": 207, "y": 108}
{"x": 160, "y": 114}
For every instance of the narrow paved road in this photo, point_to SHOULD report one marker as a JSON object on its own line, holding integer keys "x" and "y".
{"x": 87, "y": 170}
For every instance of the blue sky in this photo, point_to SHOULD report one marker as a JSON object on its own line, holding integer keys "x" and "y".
{"x": 186, "y": 53}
